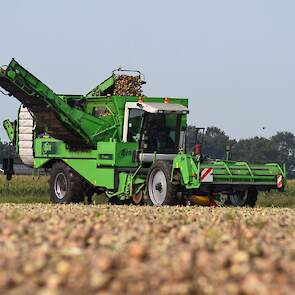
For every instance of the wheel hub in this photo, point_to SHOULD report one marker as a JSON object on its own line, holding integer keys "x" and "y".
{"x": 60, "y": 185}
{"x": 157, "y": 186}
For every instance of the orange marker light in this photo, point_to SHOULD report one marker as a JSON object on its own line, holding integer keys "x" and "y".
{"x": 140, "y": 99}
{"x": 166, "y": 100}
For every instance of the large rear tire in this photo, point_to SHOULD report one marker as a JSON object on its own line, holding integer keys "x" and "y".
{"x": 65, "y": 185}
{"x": 161, "y": 190}
{"x": 246, "y": 198}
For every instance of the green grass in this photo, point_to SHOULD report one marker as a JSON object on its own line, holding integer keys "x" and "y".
{"x": 278, "y": 199}
{"x": 29, "y": 189}
{"x": 24, "y": 189}
{"x": 24, "y": 199}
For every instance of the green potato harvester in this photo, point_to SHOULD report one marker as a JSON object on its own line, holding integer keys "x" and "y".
{"x": 131, "y": 148}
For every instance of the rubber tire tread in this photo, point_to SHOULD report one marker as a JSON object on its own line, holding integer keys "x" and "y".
{"x": 249, "y": 202}
{"x": 75, "y": 185}
{"x": 166, "y": 167}
{"x": 252, "y": 198}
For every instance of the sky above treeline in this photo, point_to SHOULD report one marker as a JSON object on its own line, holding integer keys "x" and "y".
{"x": 234, "y": 60}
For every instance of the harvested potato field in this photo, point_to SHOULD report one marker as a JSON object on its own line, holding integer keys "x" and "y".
{"x": 101, "y": 249}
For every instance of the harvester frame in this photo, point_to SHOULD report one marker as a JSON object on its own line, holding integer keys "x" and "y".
{"x": 132, "y": 148}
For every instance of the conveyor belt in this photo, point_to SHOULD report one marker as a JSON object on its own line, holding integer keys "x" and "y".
{"x": 44, "y": 114}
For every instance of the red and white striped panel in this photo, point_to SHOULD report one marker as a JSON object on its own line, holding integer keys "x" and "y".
{"x": 207, "y": 175}
{"x": 279, "y": 181}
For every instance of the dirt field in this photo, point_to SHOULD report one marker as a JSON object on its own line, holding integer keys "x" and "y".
{"x": 77, "y": 249}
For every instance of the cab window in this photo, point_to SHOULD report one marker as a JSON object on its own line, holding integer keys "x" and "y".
{"x": 134, "y": 123}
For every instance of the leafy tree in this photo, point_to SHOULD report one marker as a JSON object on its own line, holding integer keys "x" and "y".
{"x": 284, "y": 144}
{"x": 255, "y": 150}
{"x": 215, "y": 143}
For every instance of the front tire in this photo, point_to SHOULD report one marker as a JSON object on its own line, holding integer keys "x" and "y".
{"x": 246, "y": 198}
{"x": 161, "y": 190}
{"x": 65, "y": 185}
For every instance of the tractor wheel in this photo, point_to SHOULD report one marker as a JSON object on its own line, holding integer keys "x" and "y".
{"x": 246, "y": 198}
{"x": 161, "y": 190}
{"x": 65, "y": 185}
{"x": 138, "y": 199}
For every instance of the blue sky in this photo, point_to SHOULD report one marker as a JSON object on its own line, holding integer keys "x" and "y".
{"x": 234, "y": 59}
